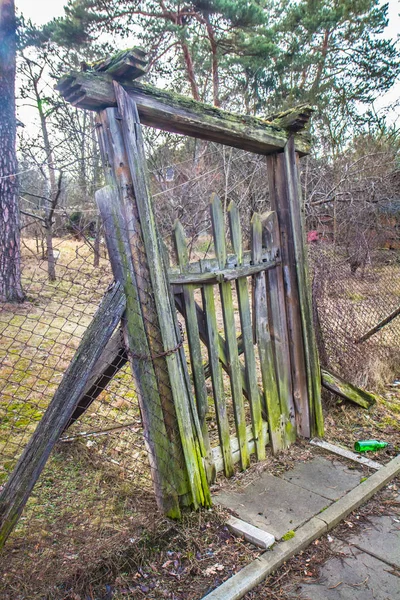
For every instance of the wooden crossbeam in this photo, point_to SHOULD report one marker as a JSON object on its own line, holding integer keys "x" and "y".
{"x": 222, "y": 275}
{"x": 171, "y": 112}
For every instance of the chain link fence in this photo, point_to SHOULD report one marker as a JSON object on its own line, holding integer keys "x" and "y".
{"x": 353, "y": 220}
{"x": 350, "y": 305}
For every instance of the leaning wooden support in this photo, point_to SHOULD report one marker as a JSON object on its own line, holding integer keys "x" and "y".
{"x": 347, "y": 390}
{"x": 112, "y": 359}
{"x": 379, "y": 326}
{"x": 32, "y": 461}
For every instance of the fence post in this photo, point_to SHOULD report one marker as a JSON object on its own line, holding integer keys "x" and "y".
{"x": 279, "y": 196}
{"x": 296, "y": 210}
{"x": 124, "y": 159}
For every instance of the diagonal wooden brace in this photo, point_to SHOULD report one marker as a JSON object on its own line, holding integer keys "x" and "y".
{"x": 60, "y": 410}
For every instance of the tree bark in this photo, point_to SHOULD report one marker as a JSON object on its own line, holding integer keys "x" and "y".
{"x": 190, "y": 70}
{"x": 10, "y": 251}
{"x": 214, "y": 54}
{"x": 51, "y": 263}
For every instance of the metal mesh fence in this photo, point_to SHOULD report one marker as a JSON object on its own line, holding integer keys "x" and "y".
{"x": 353, "y": 221}
{"x": 357, "y": 313}
{"x": 97, "y": 487}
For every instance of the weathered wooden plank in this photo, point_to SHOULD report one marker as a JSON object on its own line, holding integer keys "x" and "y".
{"x": 263, "y": 338}
{"x": 222, "y": 275}
{"x": 186, "y": 413}
{"x": 345, "y": 453}
{"x": 347, "y": 390}
{"x": 211, "y": 338}
{"x": 196, "y": 358}
{"x": 225, "y": 290}
{"x": 127, "y": 64}
{"x": 158, "y": 427}
{"x": 279, "y": 202}
{"x": 294, "y": 119}
{"x": 278, "y": 327}
{"x": 211, "y": 265}
{"x": 296, "y": 209}
{"x": 32, "y": 461}
{"x": 247, "y": 336}
{"x": 112, "y": 359}
{"x": 117, "y": 172}
{"x": 171, "y": 112}
{"x": 251, "y": 443}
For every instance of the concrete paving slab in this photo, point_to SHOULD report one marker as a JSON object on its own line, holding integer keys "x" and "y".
{"x": 324, "y": 477}
{"x": 273, "y": 504}
{"x": 381, "y": 538}
{"x": 353, "y": 576}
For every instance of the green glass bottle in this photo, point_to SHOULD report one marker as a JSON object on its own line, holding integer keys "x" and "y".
{"x": 369, "y": 445}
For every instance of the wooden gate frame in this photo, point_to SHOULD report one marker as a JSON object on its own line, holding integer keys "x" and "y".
{"x": 172, "y": 429}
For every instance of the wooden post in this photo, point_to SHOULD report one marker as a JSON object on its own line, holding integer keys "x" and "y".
{"x": 296, "y": 210}
{"x": 280, "y": 204}
{"x": 157, "y": 417}
{"x": 123, "y": 154}
{"x": 32, "y": 461}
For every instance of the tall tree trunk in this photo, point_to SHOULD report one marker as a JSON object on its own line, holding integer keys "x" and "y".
{"x": 10, "y": 251}
{"x": 214, "y": 54}
{"x": 190, "y": 70}
{"x": 51, "y": 263}
{"x": 46, "y": 140}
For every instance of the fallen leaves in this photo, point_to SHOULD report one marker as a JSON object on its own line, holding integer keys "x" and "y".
{"x": 213, "y": 570}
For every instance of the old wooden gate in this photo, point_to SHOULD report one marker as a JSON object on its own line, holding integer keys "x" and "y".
{"x": 272, "y": 365}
